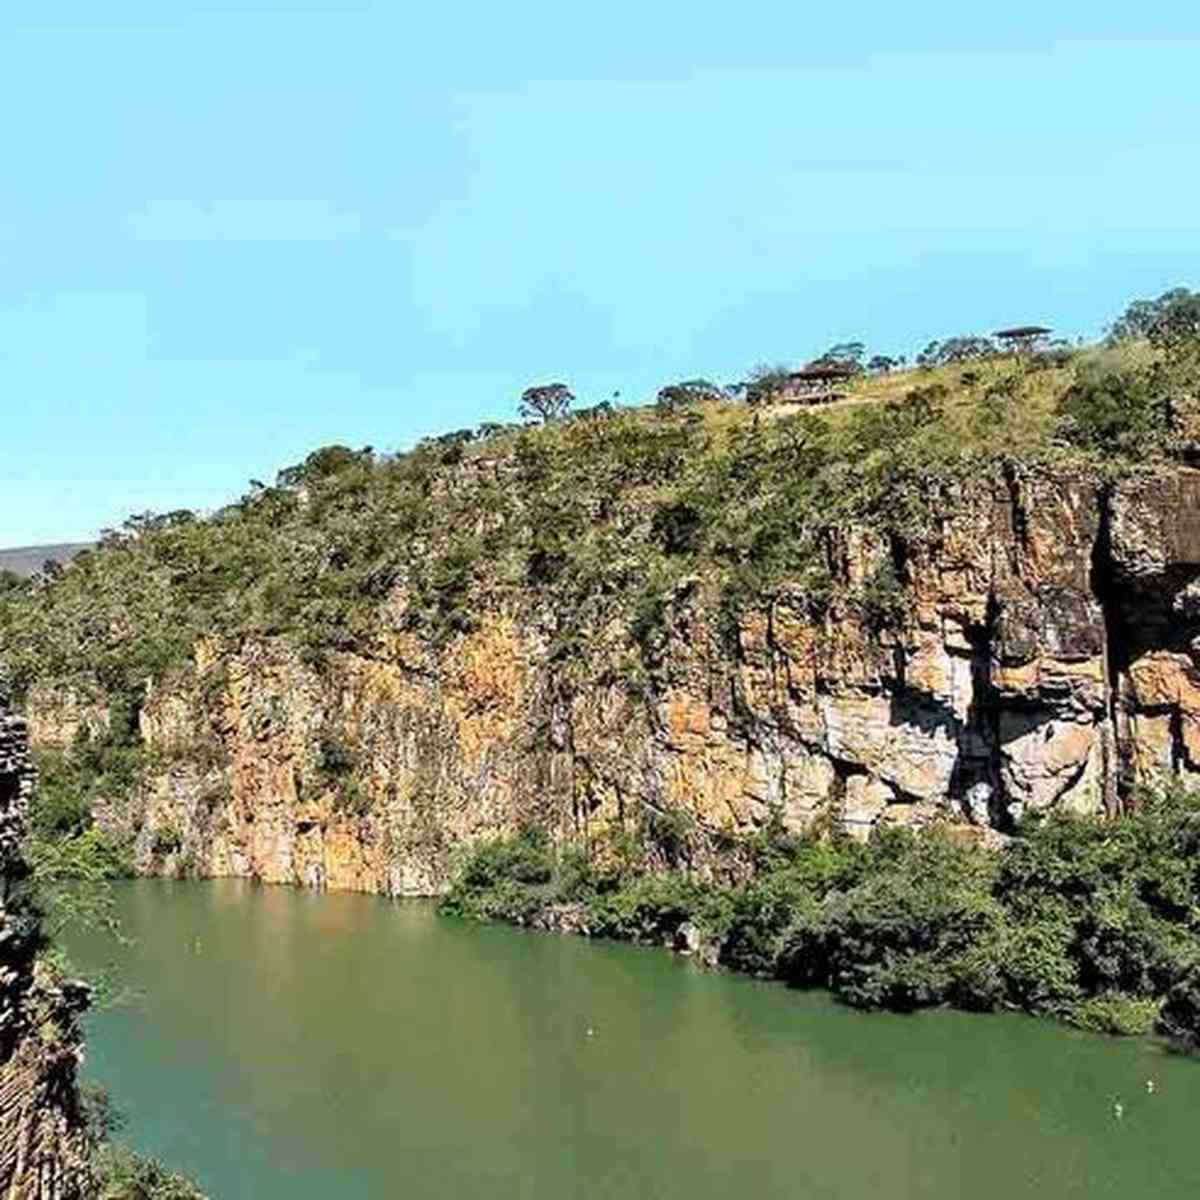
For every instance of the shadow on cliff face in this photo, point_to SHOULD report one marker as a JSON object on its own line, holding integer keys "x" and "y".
{"x": 1147, "y": 575}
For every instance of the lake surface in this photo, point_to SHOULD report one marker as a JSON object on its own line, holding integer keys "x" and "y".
{"x": 287, "y": 1044}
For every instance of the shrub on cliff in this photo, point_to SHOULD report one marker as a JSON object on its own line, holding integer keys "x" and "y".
{"x": 1103, "y": 907}
{"x": 773, "y": 914}
{"x": 1114, "y": 409}
{"x": 1180, "y": 1016}
{"x": 1113, "y": 1013}
{"x": 506, "y": 879}
{"x": 649, "y": 908}
{"x": 920, "y": 928}
{"x": 120, "y": 1174}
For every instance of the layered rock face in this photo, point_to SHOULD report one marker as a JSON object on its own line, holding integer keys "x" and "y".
{"x": 42, "y": 1153}
{"x": 1037, "y": 649}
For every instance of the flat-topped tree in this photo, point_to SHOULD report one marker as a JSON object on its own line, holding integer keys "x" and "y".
{"x": 844, "y": 354}
{"x": 1022, "y": 339}
{"x": 825, "y": 372}
{"x": 546, "y": 401}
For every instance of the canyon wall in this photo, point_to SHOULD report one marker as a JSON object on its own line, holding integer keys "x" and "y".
{"x": 42, "y": 1151}
{"x": 1034, "y": 649}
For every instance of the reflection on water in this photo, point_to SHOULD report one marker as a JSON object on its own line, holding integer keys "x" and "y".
{"x": 293, "y": 1045}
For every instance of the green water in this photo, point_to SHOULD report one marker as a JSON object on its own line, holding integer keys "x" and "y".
{"x": 290, "y": 1044}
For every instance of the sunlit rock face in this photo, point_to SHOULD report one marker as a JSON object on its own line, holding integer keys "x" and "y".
{"x": 1044, "y": 657}
{"x": 41, "y": 1134}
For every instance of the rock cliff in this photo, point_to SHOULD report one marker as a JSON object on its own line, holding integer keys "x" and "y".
{"x": 42, "y": 1151}
{"x": 1035, "y": 645}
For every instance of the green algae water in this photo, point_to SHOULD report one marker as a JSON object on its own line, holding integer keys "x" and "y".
{"x": 287, "y": 1045}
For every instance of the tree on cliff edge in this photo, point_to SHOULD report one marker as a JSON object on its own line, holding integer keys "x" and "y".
{"x": 1170, "y": 322}
{"x": 546, "y": 401}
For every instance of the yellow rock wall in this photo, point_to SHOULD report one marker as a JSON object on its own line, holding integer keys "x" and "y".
{"x": 1046, "y": 657}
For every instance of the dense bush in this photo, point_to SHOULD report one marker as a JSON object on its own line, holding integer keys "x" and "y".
{"x": 922, "y": 927}
{"x": 69, "y": 784}
{"x": 1095, "y": 922}
{"x": 1180, "y": 1016}
{"x": 1115, "y": 409}
{"x": 120, "y": 1174}
{"x": 507, "y": 879}
{"x": 1112, "y": 1012}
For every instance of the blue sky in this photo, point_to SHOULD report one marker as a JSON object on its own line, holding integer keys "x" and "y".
{"x": 231, "y": 232}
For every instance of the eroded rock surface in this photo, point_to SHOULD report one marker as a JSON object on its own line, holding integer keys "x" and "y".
{"x": 41, "y": 1131}
{"x": 1038, "y": 650}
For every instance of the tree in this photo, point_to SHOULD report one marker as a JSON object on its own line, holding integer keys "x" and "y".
{"x": 326, "y": 461}
{"x": 141, "y": 523}
{"x": 955, "y": 350}
{"x": 1023, "y": 339}
{"x": 765, "y": 380}
{"x": 686, "y": 394}
{"x": 597, "y": 412}
{"x": 1166, "y": 322}
{"x": 1171, "y": 324}
{"x": 1178, "y": 324}
{"x": 546, "y": 401}
{"x": 843, "y": 354}
{"x": 881, "y": 364}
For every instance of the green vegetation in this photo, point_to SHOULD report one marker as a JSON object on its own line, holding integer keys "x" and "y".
{"x": 119, "y": 1173}
{"x": 598, "y": 515}
{"x": 546, "y": 402}
{"x": 123, "y": 1175}
{"x": 1113, "y": 407}
{"x": 593, "y": 520}
{"x": 61, "y": 881}
{"x": 65, "y": 885}
{"x": 70, "y": 860}
{"x": 1095, "y": 922}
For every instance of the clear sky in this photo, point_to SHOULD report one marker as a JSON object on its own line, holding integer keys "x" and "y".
{"x": 233, "y": 231}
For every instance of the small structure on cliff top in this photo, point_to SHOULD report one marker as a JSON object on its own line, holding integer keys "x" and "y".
{"x": 814, "y": 384}
{"x": 1022, "y": 339}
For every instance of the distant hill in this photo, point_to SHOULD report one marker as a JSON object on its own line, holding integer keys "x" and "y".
{"x": 25, "y": 560}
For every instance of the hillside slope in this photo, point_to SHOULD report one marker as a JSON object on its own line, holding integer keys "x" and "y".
{"x": 963, "y": 594}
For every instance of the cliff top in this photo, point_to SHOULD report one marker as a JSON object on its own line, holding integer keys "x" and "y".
{"x": 601, "y": 514}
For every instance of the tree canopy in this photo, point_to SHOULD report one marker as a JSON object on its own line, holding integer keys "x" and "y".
{"x": 545, "y": 401}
